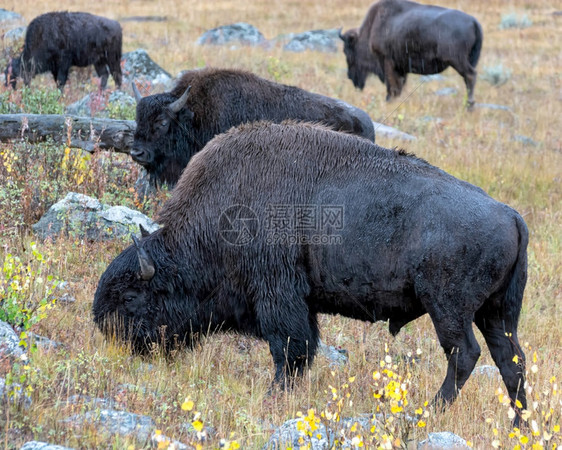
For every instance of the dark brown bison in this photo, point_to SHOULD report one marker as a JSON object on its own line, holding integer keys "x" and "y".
{"x": 399, "y": 37}
{"x": 58, "y": 40}
{"x": 172, "y": 127}
{"x": 272, "y": 224}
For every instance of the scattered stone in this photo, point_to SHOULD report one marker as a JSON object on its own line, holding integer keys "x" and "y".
{"x": 36, "y": 445}
{"x": 88, "y": 218}
{"x": 12, "y": 394}
{"x": 432, "y": 77}
{"x": 89, "y": 403}
{"x": 386, "y": 131}
{"x": 13, "y": 41}
{"x": 525, "y": 140}
{"x": 288, "y": 435}
{"x": 95, "y": 104}
{"x": 336, "y": 356}
{"x": 144, "y": 19}
{"x": 493, "y": 106}
{"x": 316, "y": 40}
{"x": 160, "y": 441}
{"x": 9, "y": 341}
{"x": 149, "y": 76}
{"x": 238, "y": 33}
{"x": 426, "y": 119}
{"x": 112, "y": 422}
{"x": 10, "y": 20}
{"x": 446, "y": 91}
{"x": 43, "y": 342}
{"x": 487, "y": 370}
{"x": 443, "y": 440}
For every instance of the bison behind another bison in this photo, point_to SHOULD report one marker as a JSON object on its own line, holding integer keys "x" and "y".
{"x": 273, "y": 224}
{"x": 172, "y": 127}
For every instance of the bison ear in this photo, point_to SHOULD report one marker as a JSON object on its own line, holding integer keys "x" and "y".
{"x": 176, "y": 106}
{"x": 341, "y": 36}
{"x": 138, "y": 95}
{"x": 146, "y": 266}
{"x": 143, "y": 231}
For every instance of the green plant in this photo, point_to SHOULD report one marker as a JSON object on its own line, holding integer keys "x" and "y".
{"x": 496, "y": 75}
{"x": 513, "y": 20}
{"x": 26, "y": 294}
{"x": 120, "y": 110}
{"x": 41, "y": 101}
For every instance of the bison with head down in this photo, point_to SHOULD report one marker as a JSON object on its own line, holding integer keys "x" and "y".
{"x": 58, "y": 40}
{"x": 239, "y": 250}
{"x": 172, "y": 127}
{"x": 399, "y": 37}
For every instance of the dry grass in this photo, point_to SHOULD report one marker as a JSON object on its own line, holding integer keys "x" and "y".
{"x": 228, "y": 377}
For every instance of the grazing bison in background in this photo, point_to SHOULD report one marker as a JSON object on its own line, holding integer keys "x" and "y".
{"x": 399, "y": 37}
{"x": 58, "y": 40}
{"x": 408, "y": 239}
{"x": 172, "y": 127}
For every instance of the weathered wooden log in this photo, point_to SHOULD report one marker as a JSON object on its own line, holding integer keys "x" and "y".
{"x": 81, "y": 132}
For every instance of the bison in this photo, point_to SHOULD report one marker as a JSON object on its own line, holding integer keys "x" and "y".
{"x": 58, "y": 40}
{"x": 399, "y": 37}
{"x": 272, "y": 224}
{"x": 172, "y": 127}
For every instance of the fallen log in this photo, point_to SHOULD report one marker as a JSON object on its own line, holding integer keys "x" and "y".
{"x": 80, "y": 132}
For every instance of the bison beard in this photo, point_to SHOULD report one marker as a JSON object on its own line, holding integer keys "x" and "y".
{"x": 414, "y": 240}
{"x": 172, "y": 127}
{"x": 58, "y": 40}
{"x": 399, "y": 37}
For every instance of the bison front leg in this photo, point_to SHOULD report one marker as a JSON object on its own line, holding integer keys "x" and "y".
{"x": 461, "y": 349}
{"x": 393, "y": 80}
{"x": 292, "y": 334}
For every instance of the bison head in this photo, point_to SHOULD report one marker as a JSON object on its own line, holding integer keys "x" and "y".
{"x": 12, "y": 71}
{"x": 137, "y": 299}
{"x": 360, "y": 60}
{"x": 163, "y": 136}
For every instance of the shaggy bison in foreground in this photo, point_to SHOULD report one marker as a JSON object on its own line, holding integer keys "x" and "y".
{"x": 399, "y": 37}
{"x": 272, "y": 224}
{"x": 58, "y": 40}
{"x": 172, "y": 127}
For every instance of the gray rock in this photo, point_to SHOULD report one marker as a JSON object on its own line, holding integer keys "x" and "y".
{"x": 89, "y": 403}
{"x": 432, "y": 77}
{"x": 316, "y": 40}
{"x": 386, "y": 131}
{"x": 442, "y": 440}
{"x": 13, "y": 40}
{"x": 487, "y": 370}
{"x": 9, "y": 341}
{"x": 94, "y": 104}
{"x": 237, "y": 33}
{"x": 43, "y": 342}
{"x": 9, "y": 20}
{"x": 337, "y": 357}
{"x": 446, "y": 91}
{"x": 13, "y": 394}
{"x": 525, "y": 140}
{"x": 88, "y": 218}
{"x": 112, "y": 422}
{"x": 287, "y": 435}
{"x": 493, "y": 106}
{"x": 36, "y": 445}
{"x": 138, "y": 66}
{"x": 158, "y": 439}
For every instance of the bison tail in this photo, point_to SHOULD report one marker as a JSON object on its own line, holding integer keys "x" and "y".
{"x": 474, "y": 55}
{"x": 514, "y": 294}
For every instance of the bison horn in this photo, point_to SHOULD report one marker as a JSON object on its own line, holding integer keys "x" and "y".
{"x": 146, "y": 266}
{"x": 176, "y": 106}
{"x": 341, "y": 36}
{"x": 138, "y": 95}
{"x": 143, "y": 231}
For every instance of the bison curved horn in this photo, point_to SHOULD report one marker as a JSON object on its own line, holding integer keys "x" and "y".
{"x": 341, "y": 36}
{"x": 146, "y": 266}
{"x": 138, "y": 95}
{"x": 180, "y": 102}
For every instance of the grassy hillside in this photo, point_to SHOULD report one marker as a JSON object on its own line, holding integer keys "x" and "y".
{"x": 227, "y": 378}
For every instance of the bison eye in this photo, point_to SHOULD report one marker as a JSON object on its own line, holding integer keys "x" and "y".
{"x": 162, "y": 123}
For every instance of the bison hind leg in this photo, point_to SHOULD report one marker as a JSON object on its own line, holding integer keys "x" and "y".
{"x": 103, "y": 72}
{"x": 501, "y": 339}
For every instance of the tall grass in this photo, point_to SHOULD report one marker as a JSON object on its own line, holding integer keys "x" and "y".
{"x": 227, "y": 378}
